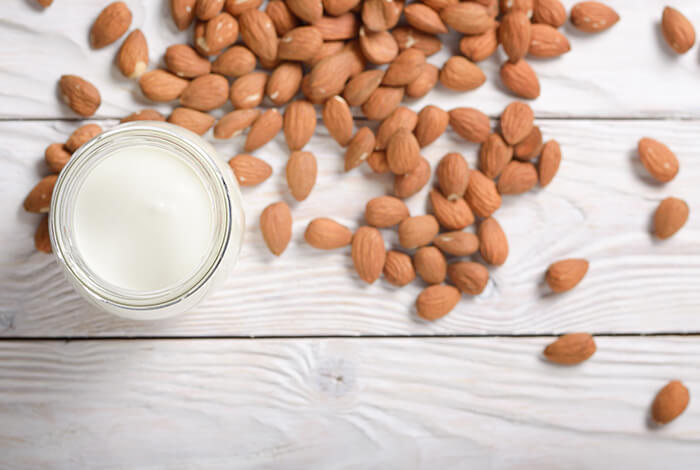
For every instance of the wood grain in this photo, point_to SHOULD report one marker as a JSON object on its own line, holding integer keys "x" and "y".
{"x": 628, "y": 71}
{"x": 598, "y": 207}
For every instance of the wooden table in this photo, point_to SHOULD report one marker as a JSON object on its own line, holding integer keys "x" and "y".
{"x": 295, "y": 363}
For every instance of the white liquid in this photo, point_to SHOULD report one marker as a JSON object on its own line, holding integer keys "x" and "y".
{"x": 143, "y": 219}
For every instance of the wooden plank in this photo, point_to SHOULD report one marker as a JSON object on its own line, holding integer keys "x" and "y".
{"x": 599, "y": 207}
{"x": 627, "y": 71}
{"x": 356, "y": 404}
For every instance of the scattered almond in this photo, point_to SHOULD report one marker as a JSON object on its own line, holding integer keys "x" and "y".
{"x": 381, "y": 15}
{"x": 248, "y": 91}
{"x": 299, "y": 124}
{"x": 437, "y": 301}
{"x": 235, "y": 122}
{"x": 340, "y": 27}
{"x": 144, "y": 115}
{"x": 327, "y": 234}
{"x": 382, "y": 102}
{"x": 430, "y": 264}
{"x": 82, "y": 135}
{"x": 401, "y": 118}
{"x": 593, "y": 17}
{"x": 407, "y": 37}
{"x": 670, "y": 216}
{"x": 385, "y": 211}
{"x": 236, "y": 7}
{"x": 338, "y": 7}
{"x": 42, "y": 239}
{"x": 493, "y": 244}
{"x": 301, "y": 174}
{"x": 517, "y": 178}
{"x": 431, "y": 123}
{"x": 452, "y": 215}
{"x": 481, "y": 46}
{"x": 514, "y": 33}
{"x": 159, "y": 85}
{"x": 461, "y": 75}
{"x": 571, "y": 349}
{"x": 264, "y": 129}
{"x": 453, "y": 176}
{"x": 306, "y": 10}
{"x": 184, "y": 61}
{"x": 549, "y": 162}
{"x": 424, "y": 18}
{"x": 56, "y": 157}
{"x": 658, "y": 159}
{"x": 361, "y": 87}
{"x": 467, "y": 17}
{"x": 208, "y": 9}
{"x": 482, "y": 195}
{"x": 182, "y": 12}
{"x": 132, "y": 59}
{"x": 471, "y": 124}
{"x": 284, "y": 82}
{"x": 566, "y": 274}
{"x": 249, "y": 170}
{"x": 409, "y": 184}
{"x": 219, "y": 33}
{"x": 426, "y": 81}
{"x": 79, "y": 94}
{"x": 530, "y": 147}
{"x": 377, "y": 162}
{"x": 196, "y": 121}
{"x": 258, "y": 33}
{"x": 368, "y": 253}
{"x": 379, "y": 47}
{"x": 39, "y": 198}
{"x": 470, "y": 278}
{"x": 550, "y": 12}
{"x": 276, "y": 227}
{"x": 359, "y": 148}
{"x": 112, "y": 22}
{"x": 398, "y": 268}
{"x": 405, "y": 68}
{"x": 417, "y": 231}
{"x": 494, "y": 155}
{"x": 547, "y": 41}
{"x": 457, "y": 243}
{"x": 670, "y": 402}
{"x": 338, "y": 120}
{"x": 516, "y": 122}
{"x": 206, "y": 92}
{"x": 301, "y": 43}
{"x": 281, "y": 17}
{"x": 521, "y": 79}
{"x": 402, "y": 152}
{"x": 235, "y": 61}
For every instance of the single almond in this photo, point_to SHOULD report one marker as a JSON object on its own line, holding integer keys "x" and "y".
{"x": 82, "y": 135}
{"x": 402, "y": 152}
{"x": 39, "y": 198}
{"x": 385, "y": 211}
{"x": 264, "y": 129}
{"x": 459, "y": 74}
{"x": 670, "y": 216}
{"x": 359, "y": 148}
{"x": 436, "y": 301}
{"x": 564, "y": 275}
{"x": 398, "y": 268}
{"x": 301, "y": 44}
{"x": 516, "y": 122}
{"x": 79, "y": 94}
{"x": 670, "y": 402}
{"x": 301, "y": 174}
{"x": 470, "y": 278}
{"x": 470, "y": 124}
{"x": 426, "y": 81}
{"x": 236, "y": 61}
{"x": 327, "y": 234}
{"x": 339, "y": 7}
{"x": 546, "y": 41}
{"x": 56, "y": 157}
{"x": 377, "y": 162}
{"x": 514, "y": 33}
{"x": 431, "y": 123}
{"x": 258, "y": 33}
{"x": 208, "y": 9}
{"x": 452, "y": 215}
{"x": 381, "y": 15}
{"x": 334, "y": 28}
{"x": 405, "y": 68}
{"x": 276, "y": 227}
{"x": 159, "y": 85}
{"x": 307, "y": 91}
{"x": 418, "y": 231}
{"x": 235, "y": 122}
{"x": 236, "y": 7}
{"x": 407, "y": 37}
{"x": 658, "y": 159}
{"x": 356, "y": 59}
{"x": 219, "y": 33}
{"x": 282, "y": 18}
{"x": 467, "y": 17}
{"x": 379, "y": 47}
{"x": 338, "y": 120}
{"x": 368, "y": 253}
{"x": 382, "y": 102}
{"x": 571, "y": 349}
{"x": 132, "y": 58}
{"x": 521, "y": 79}
{"x": 550, "y": 12}
{"x": 482, "y": 195}
{"x": 507, "y": 6}
{"x": 549, "y": 162}
{"x": 530, "y": 147}
{"x": 593, "y": 17}
{"x": 249, "y": 170}
{"x": 453, "y": 176}
{"x": 494, "y": 155}
{"x": 360, "y": 88}
{"x": 517, "y": 178}
{"x": 284, "y": 82}
{"x": 328, "y": 76}
{"x": 299, "y": 124}
{"x": 328, "y": 49}
{"x": 493, "y": 244}
{"x": 409, "y": 184}
{"x": 481, "y": 46}
{"x": 112, "y": 22}
{"x": 182, "y": 12}
{"x": 206, "y": 92}
{"x": 196, "y": 121}
{"x": 306, "y": 10}
{"x": 42, "y": 239}
{"x": 248, "y": 91}
{"x": 184, "y": 61}
{"x": 430, "y": 264}
{"x": 424, "y": 18}
{"x": 457, "y": 243}
{"x": 144, "y": 115}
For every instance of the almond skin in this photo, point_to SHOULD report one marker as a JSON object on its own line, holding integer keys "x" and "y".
{"x": 184, "y": 61}
{"x": 593, "y": 17}
{"x": 409, "y": 184}
{"x": 236, "y": 61}
{"x": 514, "y": 34}
{"x": 264, "y": 129}
{"x": 457, "y": 243}
{"x": 430, "y": 264}
{"x": 233, "y": 123}
{"x": 258, "y": 33}
{"x": 405, "y": 68}
{"x": 182, "y": 12}
{"x": 678, "y": 31}
{"x": 328, "y": 76}
{"x": 546, "y": 41}
{"x": 521, "y": 79}
{"x": 82, "y": 135}
{"x": 301, "y": 174}
{"x": 549, "y": 162}
{"x": 517, "y": 178}
{"x": 377, "y": 162}
{"x": 112, "y": 22}
{"x": 398, "y": 269}
{"x": 338, "y": 7}
{"x": 470, "y": 278}
{"x": 402, "y": 152}
{"x": 219, "y": 33}
{"x": 56, "y": 157}
{"x": 509, "y": 6}
{"x": 453, "y": 176}
{"x": 249, "y": 170}
{"x": 459, "y": 74}
{"x": 248, "y": 91}
{"x": 482, "y": 195}
{"x": 281, "y": 17}
{"x": 417, "y": 231}
{"x": 516, "y": 122}
{"x": 550, "y": 12}
{"x": 360, "y": 88}
{"x": 39, "y": 198}
{"x": 426, "y": 81}
{"x": 493, "y": 244}
{"x": 467, "y": 17}
{"x": 431, "y": 123}
{"x": 564, "y": 275}
{"x": 379, "y": 47}
{"x": 381, "y": 15}
{"x": 299, "y": 124}
{"x": 79, "y": 94}
{"x": 382, "y": 102}
{"x": 452, "y": 215}
{"x": 424, "y": 18}
{"x": 208, "y": 9}
{"x": 159, "y": 85}
{"x": 236, "y": 7}
{"x": 407, "y": 37}
{"x": 144, "y": 115}
{"x": 132, "y": 58}
{"x": 481, "y": 46}
{"x": 42, "y": 239}
{"x": 571, "y": 349}
{"x": 301, "y": 44}
{"x": 284, "y": 82}
{"x": 530, "y": 147}
{"x": 338, "y": 120}
{"x": 334, "y": 28}
{"x": 658, "y": 159}
{"x": 470, "y": 124}
{"x": 494, "y": 155}
{"x": 401, "y": 118}
{"x": 276, "y": 226}
{"x": 670, "y": 402}
{"x": 385, "y": 211}
{"x": 670, "y": 216}
{"x": 327, "y": 234}
{"x": 196, "y": 121}
{"x": 306, "y": 10}
{"x": 437, "y": 301}
{"x": 359, "y": 148}
{"x": 368, "y": 253}
{"x": 206, "y": 92}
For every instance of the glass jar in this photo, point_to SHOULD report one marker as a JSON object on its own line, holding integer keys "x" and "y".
{"x": 226, "y": 215}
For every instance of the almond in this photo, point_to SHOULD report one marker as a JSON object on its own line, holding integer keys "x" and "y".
{"x": 79, "y": 94}
{"x": 517, "y": 178}
{"x": 82, "y": 135}
{"x": 301, "y": 174}
{"x": 530, "y": 147}
{"x": 461, "y": 75}
{"x": 453, "y": 176}
{"x": 409, "y": 184}
{"x": 385, "y": 211}
{"x": 282, "y": 18}
{"x": 494, "y": 155}
{"x": 570, "y": 349}
{"x": 431, "y": 123}
{"x": 276, "y": 227}
{"x": 381, "y": 15}
{"x": 658, "y": 159}
{"x": 39, "y": 198}
{"x": 208, "y": 9}
{"x": 437, "y": 301}
{"x": 132, "y": 59}
{"x": 356, "y": 60}
{"x": 493, "y": 244}
{"x": 359, "y": 148}
{"x": 284, "y": 82}
{"x": 338, "y": 120}
{"x": 508, "y": 6}
{"x": 566, "y": 274}
{"x": 236, "y": 7}
{"x": 438, "y": 5}
{"x": 56, "y": 157}
{"x": 143, "y": 115}
{"x": 514, "y": 35}
{"x": 306, "y": 10}
{"x": 593, "y": 17}
{"x": 377, "y": 162}
{"x": 236, "y": 61}
{"x": 382, "y": 102}
{"x": 183, "y": 13}
{"x": 482, "y": 195}
{"x": 184, "y": 61}
{"x": 452, "y": 215}
{"x": 360, "y": 88}
{"x": 248, "y": 91}
{"x": 521, "y": 79}
{"x": 405, "y": 68}
{"x": 407, "y": 37}
{"x": 301, "y": 43}
{"x": 670, "y": 402}
{"x": 338, "y": 7}
{"x": 233, "y": 123}
{"x": 368, "y": 253}
{"x": 430, "y": 264}
{"x": 327, "y": 234}
{"x": 112, "y": 22}
{"x": 258, "y": 33}
{"x": 546, "y": 41}
{"x": 467, "y": 17}
{"x": 516, "y": 122}
{"x": 379, "y": 47}
{"x": 424, "y": 18}
{"x": 249, "y": 170}
{"x": 398, "y": 268}
{"x": 264, "y": 129}
{"x": 471, "y": 124}
{"x": 678, "y": 31}
{"x": 196, "y": 121}
{"x": 205, "y": 93}
{"x": 417, "y": 231}
{"x": 42, "y": 239}
{"x": 481, "y": 46}
{"x": 340, "y": 27}
{"x": 551, "y": 12}
{"x": 470, "y": 278}
{"x": 402, "y": 152}
{"x": 670, "y": 217}
{"x": 159, "y": 85}
{"x": 457, "y": 243}
{"x": 426, "y": 81}
{"x": 549, "y": 162}
{"x": 219, "y": 33}
{"x": 299, "y": 124}
{"x": 307, "y": 92}
{"x": 328, "y": 76}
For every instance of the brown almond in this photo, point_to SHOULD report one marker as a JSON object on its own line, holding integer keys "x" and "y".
{"x": 461, "y": 75}
{"x": 436, "y": 301}
{"x": 368, "y": 253}
{"x": 550, "y": 12}
{"x": 284, "y": 82}
{"x": 521, "y": 79}
{"x": 377, "y": 162}
{"x": 470, "y": 124}
{"x": 481, "y": 46}
{"x": 360, "y": 87}
{"x": 407, "y": 37}
{"x": 431, "y": 123}
{"x": 301, "y": 174}
{"x": 430, "y": 264}
{"x": 327, "y": 78}
{"x": 516, "y": 122}
{"x": 381, "y": 15}
{"x": 385, "y": 211}
{"x": 281, "y": 17}
{"x": 258, "y": 33}
{"x": 159, "y": 85}
{"x": 402, "y": 152}
{"x": 42, "y": 239}
{"x": 517, "y": 178}
{"x": 546, "y": 41}
{"x": 457, "y": 243}
{"x": 452, "y": 215}
{"x": 438, "y": 5}
{"x": 405, "y": 68}
{"x": 417, "y": 231}
{"x": 549, "y": 162}
{"x": 670, "y": 216}
{"x": 571, "y": 349}
{"x": 236, "y": 7}
{"x": 327, "y": 234}
{"x": 56, "y": 157}
{"x": 339, "y": 7}
{"x": 494, "y": 155}
{"x": 79, "y": 94}
{"x": 424, "y": 18}
{"x": 453, "y": 176}
{"x": 112, "y": 22}
{"x": 564, "y": 275}
{"x": 493, "y": 244}
{"x": 301, "y": 44}
{"x": 206, "y": 92}
{"x": 530, "y": 147}
{"x": 235, "y": 122}
{"x": 82, "y": 135}
{"x": 593, "y": 17}
{"x": 196, "y": 121}
{"x": 276, "y": 227}
{"x": 219, "y": 33}
{"x": 426, "y": 81}
{"x": 482, "y": 195}
{"x": 514, "y": 34}
{"x": 264, "y": 129}
{"x": 39, "y": 198}
{"x": 382, "y": 102}
{"x": 248, "y": 91}
{"x": 670, "y": 402}
{"x": 508, "y": 6}
{"x": 249, "y": 170}
{"x": 132, "y": 58}
{"x": 356, "y": 60}
{"x": 184, "y": 61}
{"x": 182, "y": 12}
{"x": 470, "y": 278}
{"x": 398, "y": 268}
{"x": 409, "y": 184}
{"x": 658, "y": 159}
{"x": 467, "y": 17}
{"x": 334, "y": 28}
{"x": 299, "y": 124}
{"x": 208, "y": 9}
{"x": 236, "y": 61}
{"x": 359, "y": 148}
{"x": 379, "y": 47}
{"x": 306, "y": 10}
{"x": 338, "y": 120}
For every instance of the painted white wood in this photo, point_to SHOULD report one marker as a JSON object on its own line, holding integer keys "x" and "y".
{"x": 627, "y": 71}
{"x": 343, "y": 404}
{"x": 599, "y": 207}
